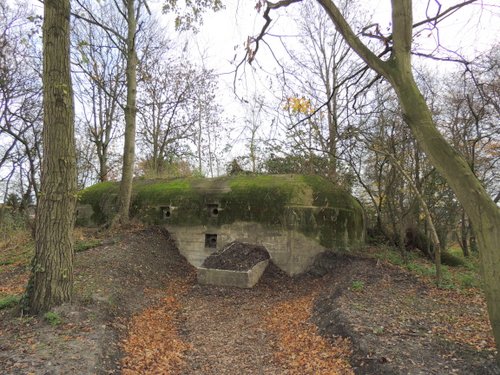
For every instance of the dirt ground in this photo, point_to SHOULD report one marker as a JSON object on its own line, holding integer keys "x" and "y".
{"x": 236, "y": 256}
{"x": 139, "y": 310}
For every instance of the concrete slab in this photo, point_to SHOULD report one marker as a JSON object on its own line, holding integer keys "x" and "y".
{"x": 240, "y": 279}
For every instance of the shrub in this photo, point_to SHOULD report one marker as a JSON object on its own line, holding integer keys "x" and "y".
{"x": 451, "y": 260}
{"x": 469, "y": 280}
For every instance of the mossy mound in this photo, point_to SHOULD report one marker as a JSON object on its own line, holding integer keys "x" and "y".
{"x": 309, "y": 204}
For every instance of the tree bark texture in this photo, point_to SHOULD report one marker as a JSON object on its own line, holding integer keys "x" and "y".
{"x": 130, "y": 117}
{"x": 482, "y": 211}
{"x": 51, "y": 280}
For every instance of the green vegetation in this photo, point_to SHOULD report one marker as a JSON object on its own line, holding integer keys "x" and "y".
{"x": 53, "y": 318}
{"x": 11, "y": 221}
{"x": 452, "y": 260}
{"x": 9, "y": 301}
{"x": 393, "y": 256}
{"x": 308, "y": 204}
{"x": 82, "y": 245}
{"x": 357, "y": 285}
{"x": 458, "y": 273}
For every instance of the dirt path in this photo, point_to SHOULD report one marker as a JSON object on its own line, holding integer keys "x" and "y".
{"x": 217, "y": 330}
{"x": 227, "y": 333}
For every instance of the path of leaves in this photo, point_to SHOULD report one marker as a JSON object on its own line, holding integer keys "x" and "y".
{"x": 470, "y": 327}
{"x": 399, "y": 324}
{"x": 208, "y": 330}
{"x": 300, "y": 348}
{"x": 153, "y": 345}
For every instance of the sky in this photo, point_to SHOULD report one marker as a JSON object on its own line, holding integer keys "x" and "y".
{"x": 467, "y": 30}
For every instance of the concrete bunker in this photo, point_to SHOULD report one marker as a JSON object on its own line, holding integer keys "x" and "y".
{"x": 295, "y": 217}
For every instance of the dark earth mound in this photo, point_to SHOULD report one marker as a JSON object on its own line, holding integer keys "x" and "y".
{"x": 395, "y": 321}
{"x": 236, "y": 256}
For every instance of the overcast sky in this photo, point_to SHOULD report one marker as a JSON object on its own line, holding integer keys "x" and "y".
{"x": 221, "y": 39}
{"x": 219, "y": 45}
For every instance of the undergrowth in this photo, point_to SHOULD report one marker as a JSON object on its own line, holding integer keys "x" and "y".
{"x": 53, "y": 318}
{"x": 16, "y": 242}
{"x": 464, "y": 275}
{"x": 9, "y": 301}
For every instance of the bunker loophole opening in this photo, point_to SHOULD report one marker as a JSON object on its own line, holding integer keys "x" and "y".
{"x": 165, "y": 211}
{"x": 211, "y": 241}
{"x": 213, "y": 209}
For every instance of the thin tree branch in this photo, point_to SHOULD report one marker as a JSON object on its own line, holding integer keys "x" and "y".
{"x": 250, "y": 54}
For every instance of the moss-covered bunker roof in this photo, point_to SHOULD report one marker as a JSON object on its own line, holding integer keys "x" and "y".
{"x": 307, "y": 202}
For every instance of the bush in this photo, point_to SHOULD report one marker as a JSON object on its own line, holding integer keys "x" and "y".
{"x": 357, "y": 285}
{"x": 11, "y": 221}
{"x": 469, "y": 280}
{"x": 376, "y": 236}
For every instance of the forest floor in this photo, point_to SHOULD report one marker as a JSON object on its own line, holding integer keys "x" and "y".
{"x": 139, "y": 310}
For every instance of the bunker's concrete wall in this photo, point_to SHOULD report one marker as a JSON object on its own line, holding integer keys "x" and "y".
{"x": 290, "y": 250}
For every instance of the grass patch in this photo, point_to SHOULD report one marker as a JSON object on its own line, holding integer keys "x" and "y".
{"x": 357, "y": 285}
{"x": 393, "y": 256}
{"x": 462, "y": 274}
{"x": 82, "y": 245}
{"x": 469, "y": 280}
{"x": 53, "y": 318}
{"x": 452, "y": 260}
{"x": 9, "y": 301}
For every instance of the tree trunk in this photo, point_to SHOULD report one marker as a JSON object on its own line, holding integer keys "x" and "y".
{"x": 51, "y": 279}
{"x": 130, "y": 118}
{"x": 483, "y": 212}
{"x": 463, "y": 239}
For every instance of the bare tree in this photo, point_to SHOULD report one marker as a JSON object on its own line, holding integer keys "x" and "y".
{"x": 321, "y": 73}
{"x": 100, "y": 83}
{"x": 130, "y": 12}
{"x": 20, "y": 100}
{"x": 167, "y": 113}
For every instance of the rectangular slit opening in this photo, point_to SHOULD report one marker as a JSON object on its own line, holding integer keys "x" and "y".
{"x": 211, "y": 241}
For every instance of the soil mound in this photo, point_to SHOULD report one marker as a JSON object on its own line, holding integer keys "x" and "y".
{"x": 236, "y": 256}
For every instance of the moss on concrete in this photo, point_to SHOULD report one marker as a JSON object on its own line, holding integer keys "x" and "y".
{"x": 103, "y": 199}
{"x": 308, "y": 204}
